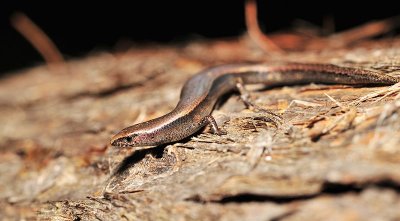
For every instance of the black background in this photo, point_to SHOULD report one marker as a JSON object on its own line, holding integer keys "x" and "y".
{"x": 79, "y": 28}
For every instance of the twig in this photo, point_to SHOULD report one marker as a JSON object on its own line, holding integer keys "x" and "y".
{"x": 37, "y": 38}
{"x": 303, "y": 103}
{"x": 254, "y": 30}
{"x": 348, "y": 37}
{"x": 384, "y": 92}
{"x": 367, "y": 30}
{"x": 335, "y": 101}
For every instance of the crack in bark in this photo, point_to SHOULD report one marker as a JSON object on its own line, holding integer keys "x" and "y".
{"x": 113, "y": 90}
{"x": 328, "y": 188}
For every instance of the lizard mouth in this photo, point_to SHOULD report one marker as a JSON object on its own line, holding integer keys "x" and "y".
{"x": 119, "y": 142}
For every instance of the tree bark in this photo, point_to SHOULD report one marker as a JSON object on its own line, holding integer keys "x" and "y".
{"x": 336, "y": 155}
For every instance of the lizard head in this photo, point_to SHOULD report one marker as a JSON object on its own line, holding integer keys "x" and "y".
{"x": 135, "y": 136}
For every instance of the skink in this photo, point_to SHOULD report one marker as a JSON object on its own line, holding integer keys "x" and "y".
{"x": 201, "y": 92}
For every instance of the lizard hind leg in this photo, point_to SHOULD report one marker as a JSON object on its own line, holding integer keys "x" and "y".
{"x": 245, "y": 97}
{"x": 213, "y": 124}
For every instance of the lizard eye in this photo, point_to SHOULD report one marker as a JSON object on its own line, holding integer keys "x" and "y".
{"x": 128, "y": 139}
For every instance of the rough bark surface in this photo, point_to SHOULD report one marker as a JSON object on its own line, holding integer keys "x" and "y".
{"x": 336, "y": 157}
